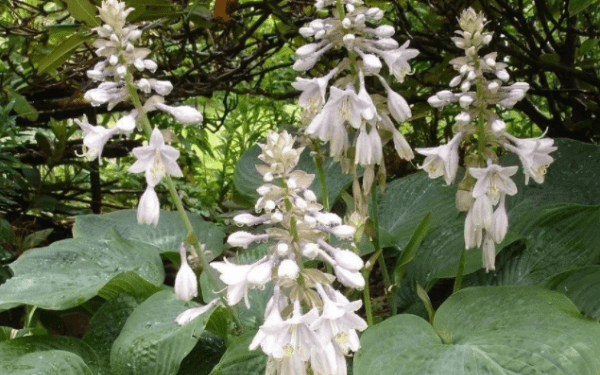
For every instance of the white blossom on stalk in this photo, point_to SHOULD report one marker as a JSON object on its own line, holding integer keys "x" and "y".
{"x": 534, "y": 155}
{"x": 148, "y": 209}
{"x": 94, "y": 139}
{"x": 186, "y": 283}
{"x": 442, "y": 160}
{"x": 191, "y": 314}
{"x": 156, "y": 160}
{"x": 239, "y": 278}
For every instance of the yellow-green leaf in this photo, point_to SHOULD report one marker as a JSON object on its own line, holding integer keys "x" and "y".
{"x": 84, "y": 11}
{"x": 22, "y": 106}
{"x": 61, "y": 53}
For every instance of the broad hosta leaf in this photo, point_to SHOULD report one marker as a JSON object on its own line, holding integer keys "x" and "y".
{"x": 551, "y": 241}
{"x": 105, "y": 326}
{"x": 166, "y": 236}
{"x": 247, "y": 179}
{"x": 84, "y": 11}
{"x": 486, "y": 330}
{"x": 69, "y": 272}
{"x": 568, "y": 180}
{"x": 61, "y": 52}
{"x": 151, "y": 343}
{"x": 47, "y": 355}
{"x": 582, "y": 286}
{"x": 8, "y": 333}
{"x": 205, "y": 355}
{"x": 239, "y": 360}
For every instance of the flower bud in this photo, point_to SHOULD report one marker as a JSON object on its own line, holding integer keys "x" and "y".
{"x": 288, "y": 269}
{"x": 162, "y": 87}
{"x": 310, "y": 250}
{"x": 184, "y": 114}
{"x": 348, "y": 260}
{"x": 126, "y": 124}
{"x": 464, "y": 200}
{"x": 148, "y": 208}
{"x": 455, "y": 81}
{"x": 283, "y": 249}
{"x": 307, "y": 50}
{"x": 349, "y": 278}
{"x": 341, "y": 231}
{"x": 463, "y": 118}
{"x": 307, "y": 32}
{"x": 349, "y": 40}
{"x": 191, "y": 314}
{"x": 371, "y": 62}
{"x": 359, "y": 19}
{"x": 398, "y": 107}
{"x": 248, "y": 219}
{"x": 144, "y": 85}
{"x": 465, "y": 100}
{"x": 186, "y": 283}
{"x": 243, "y": 239}
{"x": 346, "y": 23}
{"x": 319, "y": 34}
{"x": 386, "y": 43}
{"x": 385, "y": 31}
{"x": 502, "y": 74}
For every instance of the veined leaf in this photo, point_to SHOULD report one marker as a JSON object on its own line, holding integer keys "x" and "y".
{"x": 61, "y": 53}
{"x": 84, "y": 11}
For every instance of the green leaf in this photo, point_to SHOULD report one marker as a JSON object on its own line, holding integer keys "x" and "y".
{"x": 486, "y": 330}
{"x": 105, "y": 327}
{"x": 70, "y": 272}
{"x": 576, "y": 6}
{"x": 32, "y": 240}
{"x": 83, "y": 10}
{"x": 8, "y": 333}
{"x": 151, "y": 343}
{"x": 411, "y": 248}
{"x": 22, "y": 106}
{"x": 205, "y": 356}
{"x": 550, "y": 241}
{"x": 239, "y": 360}
{"x": 247, "y": 179}
{"x": 47, "y": 355}
{"x": 61, "y": 52}
{"x": 582, "y": 286}
{"x": 166, "y": 236}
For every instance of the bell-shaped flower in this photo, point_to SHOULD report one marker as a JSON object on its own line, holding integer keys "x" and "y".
{"x": 94, "y": 139}
{"x": 185, "y": 114}
{"x": 400, "y": 144}
{"x": 156, "y": 160}
{"x": 148, "y": 209}
{"x": 479, "y": 218}
{"x": 369, "y": 150}
{"x": 534, "y": 155}
{"x": 442, "y": 160}
{"x": 339, "y": 320}
{"x": 397, "y": 60}
{"x": 494, "y": 181}
{"x": 191, "y": 314}
{"x": 313, "y": 90}
{"x": 126, "y": 124}
{"x": 186, "y": 283}
{"x": 488, "y": 251}
{"x": 236, "y": 278}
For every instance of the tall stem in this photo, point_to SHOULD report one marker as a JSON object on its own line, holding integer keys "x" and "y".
{"x": 322, "y": 181}
{"x": 191, "y": 237}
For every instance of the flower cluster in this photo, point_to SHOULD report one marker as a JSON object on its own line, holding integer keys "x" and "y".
{"x": 483, "y": 190}
{"x": 308, "y": 324}
{"x": 369, "y": 115}
{"x": 115, "y": 72}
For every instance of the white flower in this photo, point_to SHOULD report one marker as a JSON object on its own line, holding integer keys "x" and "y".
{"x": 442, "y": 160}
{"x": 260, "y": 274}
{"x": 236, "y": 278}
{"x": 397, "y": 60}
{"x": 343, "y": 258}
{"x": 162, "y": 87}
{"x": 400, "y": 144}
{"x": 534, "y": 155}
{"x": 156, "y": 159}
{"x": 248, "y": 219}
{"x": 479, "y": 218}
{"x": 184, "y": 114}
{"x": 191, "y": 314}
{"x": 489, "y": 253}
{"x": 313, "y": 90}
{"x": 339, "y": 320}
{"x": 94, "y": 138}
{"x": 494, "y": 181}
{"x": 148, "y": 209}
{"x": 341, "y": 231}
{"x": 290, "y": 338}
{"x": 186, "y": 283}
{"x": 126, "y": 124}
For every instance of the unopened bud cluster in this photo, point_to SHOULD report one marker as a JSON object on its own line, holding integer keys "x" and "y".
{"x": 308, "y": 324}
{"x": 482, "y": 192}
{"x": 115, "y": 72}
{"x": 348, "y": 102}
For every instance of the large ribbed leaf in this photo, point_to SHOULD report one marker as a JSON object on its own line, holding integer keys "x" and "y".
{"x": 70, "y": 272}
{"x": 239, "y": 360}
{"x": 166, "y": 236}
{"x": 151, "y": 343}
{"x": 582, "y": 286}
{"x": 47, "y": 355}
{"x": 105, "y": 327}
{"x": 486, "y": 330}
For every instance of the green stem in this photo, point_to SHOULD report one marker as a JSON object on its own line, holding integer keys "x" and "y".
{"x": 340, "y": 9}
{"x": 321, "y": 171}
{"x": 367, "y": 298}
{"x": 191, "y": 237}
{"x": 460, "y": 271}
